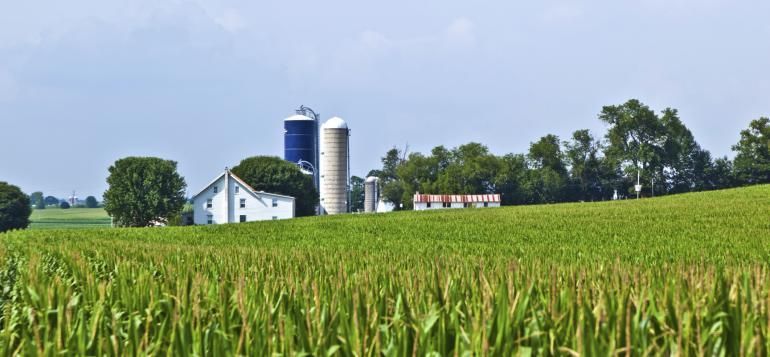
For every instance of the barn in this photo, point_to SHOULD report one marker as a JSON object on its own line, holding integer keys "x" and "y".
{"x": 228, "y": 199}
{"x": 430, "y": 202}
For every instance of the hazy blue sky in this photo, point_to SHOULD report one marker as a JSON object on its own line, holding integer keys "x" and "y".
{"x": 207, "y": 83}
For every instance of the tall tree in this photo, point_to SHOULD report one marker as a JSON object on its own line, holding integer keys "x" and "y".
{"x": 511, "y": 179}
{"x": 392, "y": 188}
{"x": 143, "y": 191}
{"x": 272, "y": 174}
{"x": 14, "y": 208}
{"x": 582, "y": 154}
{"x": 547, "y": 179}
{"x": 635, "y": 138}
{"x": 37, "y": 199}
{"x": 685, "y": 162}
{"x": 752, "y": 161}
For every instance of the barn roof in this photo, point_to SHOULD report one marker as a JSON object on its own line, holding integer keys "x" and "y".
{"x": 422, "y": 198}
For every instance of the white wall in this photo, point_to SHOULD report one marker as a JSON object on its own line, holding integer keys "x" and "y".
{"x": 423, "y": 206}
{"x": 259, "y": 206}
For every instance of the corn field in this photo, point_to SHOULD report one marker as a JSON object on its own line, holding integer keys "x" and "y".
{"x": 684, "y": 275}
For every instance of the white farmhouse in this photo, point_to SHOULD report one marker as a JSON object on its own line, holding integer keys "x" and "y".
{"x": 227, "y": 199}
{"x": 430, "y": 202}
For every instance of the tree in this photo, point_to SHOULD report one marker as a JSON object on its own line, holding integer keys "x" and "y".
{"x": 752, "y": 161}
{"x": 91, "y": 202}
{"x": 511, "y": 179}
{"x": 635, "y": 138}
{"x": 272, "y": 174}
{"x": 392, "y": 189}
{"x": 685, "y": 163}
{"x": 15, "y": 208}
{"x": 547, "y": 180}
{"x": 143, "y": 191}
{"x": 721, "y": 174}
{"x": 64, "y": 205}
{"x": 51, "y": 201}
{"x": 37, "y": 200}
{"x": 356, "y": 194}
{"x": 582, "y": 155}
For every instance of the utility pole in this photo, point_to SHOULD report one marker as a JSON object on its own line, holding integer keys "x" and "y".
{"x": 652, "y": 188}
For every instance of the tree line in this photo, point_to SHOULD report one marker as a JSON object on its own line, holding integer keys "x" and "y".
{"x": 658, "y": 147}
{"x": 39, "y": 201}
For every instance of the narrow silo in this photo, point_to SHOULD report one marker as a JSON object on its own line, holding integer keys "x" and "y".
{"x": 371, "y": 194}
{"x": 335, "y": 166}
{"x": 301, "y": 143}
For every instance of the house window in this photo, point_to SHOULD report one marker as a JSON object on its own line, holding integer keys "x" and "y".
{"x": 216, "y": 189}
{"x": 243, "y": 218}
{"x": 209, "y": 219}
{"x": 428, "y": 204}
{"x": 237, "y": 189}
{"x": 243, "y": 203}
{"x": 275, "y": 218}
{"x": 275, "y": 202}
{"x": 208, "y": 203}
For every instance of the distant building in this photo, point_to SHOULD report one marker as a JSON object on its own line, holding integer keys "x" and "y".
{"x": 227, "y": 199}
{"x": 429, "y": 202}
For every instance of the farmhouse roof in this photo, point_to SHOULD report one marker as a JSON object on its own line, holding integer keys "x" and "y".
{"x": 421, "y": 198}
{"x": 240, "y": 181}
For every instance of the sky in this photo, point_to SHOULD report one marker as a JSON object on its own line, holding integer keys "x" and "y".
{"x": 208, "y": 83}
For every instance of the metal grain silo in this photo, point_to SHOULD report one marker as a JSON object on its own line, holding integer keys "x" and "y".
{"x": 371, "y": 194}
{"x": 301, "y": 143}
{"x": 335, "y": 166}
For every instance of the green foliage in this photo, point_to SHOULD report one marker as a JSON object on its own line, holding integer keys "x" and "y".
{"x": 635, "y": 136}
{"x": 51, "y": 201}
{"x": 680, "y": 275}
{"x": 37, "y": 200}
{"x": 660, "y": 147}
{"x": 752, "y": 159}
{"x": 14, "y": 208}
{"x": 143, "y": 191}
{"x": 64, "y": 205}
{"x": 272, "y": 174}
{"x": 91, "y": 202}
{"x": 356, "y": 194}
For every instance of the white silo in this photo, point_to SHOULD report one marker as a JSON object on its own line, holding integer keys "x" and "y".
{"x": 371, "y": 194}
{"x": 335, "y": 166}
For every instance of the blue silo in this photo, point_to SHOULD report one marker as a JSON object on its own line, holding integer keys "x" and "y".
{"x": 301, "y": 141}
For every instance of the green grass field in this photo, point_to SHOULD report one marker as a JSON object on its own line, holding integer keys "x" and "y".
{"x": 678, "y": 275}
{"x": 57, "y": 218}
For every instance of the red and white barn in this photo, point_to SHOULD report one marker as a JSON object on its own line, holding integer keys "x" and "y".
{"x": 426, "y": 202}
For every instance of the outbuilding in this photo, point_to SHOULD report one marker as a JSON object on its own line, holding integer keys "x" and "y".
{"x": 430, "y": 202}
{"x": 228, "y": 199}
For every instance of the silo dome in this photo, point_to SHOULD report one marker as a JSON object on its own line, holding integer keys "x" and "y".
{"x": 335, "y": 123}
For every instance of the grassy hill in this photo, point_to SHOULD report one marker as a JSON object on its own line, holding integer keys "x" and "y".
{"x": 683, "y": 274}
{"x": 51, "y": 218}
